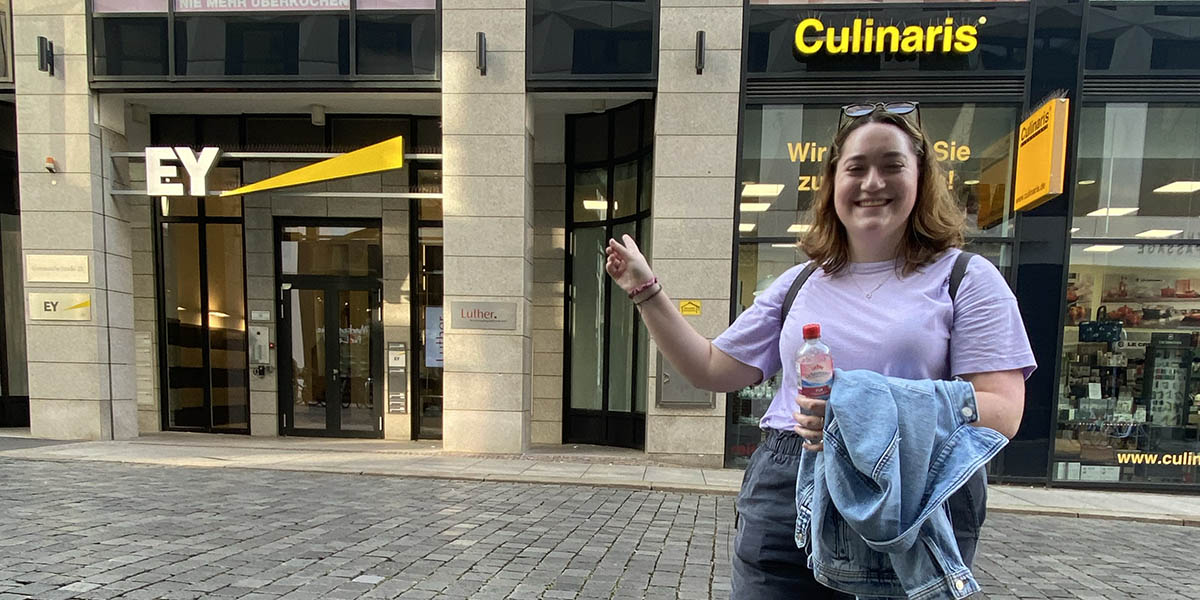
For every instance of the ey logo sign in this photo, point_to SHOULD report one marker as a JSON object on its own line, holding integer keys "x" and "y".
{"x": 163, "y": 164}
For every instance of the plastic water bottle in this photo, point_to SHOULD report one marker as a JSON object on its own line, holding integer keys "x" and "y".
{"x": 814, "y": 364}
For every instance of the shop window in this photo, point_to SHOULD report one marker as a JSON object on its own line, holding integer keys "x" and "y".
{"x": 1138, "y": 176}
{"x": 592, "y": 37}
{"x": 785, "y": 148}
{"x": 262, "y": 45}
{"x": 1129, "y": 394}
{"x": 397, "y": 44}
{"x": 130, "y": 46}
{"x": 1129, "y": 397}
{"x": 1141, "y": 37}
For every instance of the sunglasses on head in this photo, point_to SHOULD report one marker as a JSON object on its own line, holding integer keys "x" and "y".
{"x": 862, "y": 109}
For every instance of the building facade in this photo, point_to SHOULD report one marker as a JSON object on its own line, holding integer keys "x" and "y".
{"x": 435, "y": 181}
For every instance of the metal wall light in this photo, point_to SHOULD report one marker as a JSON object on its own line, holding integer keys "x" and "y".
{"x": 699, "y": 52}
{"x": 481, "y": 52}
{"x": 45, "y": 55}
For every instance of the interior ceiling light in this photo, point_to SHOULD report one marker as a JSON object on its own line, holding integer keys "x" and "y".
{"x": 1179, "y": 187}
{"x": 746, "y": 227}
{"x": 971, "y": 182}
{"x": 1112, "y": 212}
{"x": 799, "y": 228}
{"x": 217, "y": 313}
{"x": 1158, "y": 233}
{"x": 599, "y": 205}
{"x": 762, "y": 190}
{"x": 1087, "y": 181}
{"x": 754, "y": 206}
{"x": 792, "y": 245}
{"x": 1102, "y": 248}
{"x": 1074, "y": 229}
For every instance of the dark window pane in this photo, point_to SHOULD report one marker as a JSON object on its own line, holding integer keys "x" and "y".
{"x": 222, "y": 132}
{"x": 1139, "y": 37}
{"x": 284, "y": 134}
{"x": 591, "y": 138}
{"x": 592, "y": 37}
{"x": 173, "y": 130}
{"x": 350, "y": 133}
{"x": 627, "y": 130}
{"x": 331, "y": 250}
{"x": 398, "y": 44}
{"x": 227, "y": 328}
{"x": 130, "y": 46}
{"x": 428, "y": 136}
{"x": 185, "y": 325}
{"x": 254, "y": 45}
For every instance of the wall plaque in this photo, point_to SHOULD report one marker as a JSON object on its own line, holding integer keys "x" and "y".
{"x": 483, "y": 315}
{"x": 57, "y": 268}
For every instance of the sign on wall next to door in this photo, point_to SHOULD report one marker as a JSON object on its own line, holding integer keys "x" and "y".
{"x": 483, "y": 315}
{"x": 48, "y": 306}
{"x": 57, "y": 268}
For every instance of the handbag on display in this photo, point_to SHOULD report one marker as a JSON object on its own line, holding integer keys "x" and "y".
{"x": 1100, "y": 330}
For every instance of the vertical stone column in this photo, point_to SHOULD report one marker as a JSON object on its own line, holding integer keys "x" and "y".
{"x": 488, "y": 219}
{"x": 81, "y": 373}
{"x": 549, "y": 287}
{"x": 695, "y": 150}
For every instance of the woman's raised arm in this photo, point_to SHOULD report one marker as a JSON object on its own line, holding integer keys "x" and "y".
{"x": 690, "y": 353}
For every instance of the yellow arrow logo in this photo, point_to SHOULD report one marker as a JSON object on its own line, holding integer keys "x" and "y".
{"x": 84, "y": 304}
{"x": 384, "y": 156}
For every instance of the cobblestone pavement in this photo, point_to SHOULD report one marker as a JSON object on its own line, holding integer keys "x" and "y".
{"x": 97, "y": 530}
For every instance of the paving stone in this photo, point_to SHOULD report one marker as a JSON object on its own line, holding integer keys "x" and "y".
{"x": 176, "y": 533}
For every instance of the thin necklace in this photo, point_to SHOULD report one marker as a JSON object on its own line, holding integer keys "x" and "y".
{"x": 874, "y": 289}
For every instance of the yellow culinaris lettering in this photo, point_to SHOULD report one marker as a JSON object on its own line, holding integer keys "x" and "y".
{"x": 863, "y": 36}
{"x": 803, "y": 45}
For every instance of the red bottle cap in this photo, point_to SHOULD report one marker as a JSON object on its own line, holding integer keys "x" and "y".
{"x": 812, "y": 331}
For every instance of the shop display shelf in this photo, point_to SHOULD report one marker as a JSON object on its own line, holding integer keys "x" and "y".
{"x": 1151, "y": 299}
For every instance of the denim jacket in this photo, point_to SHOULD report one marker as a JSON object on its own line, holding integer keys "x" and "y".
{"x": 874, "y": 501}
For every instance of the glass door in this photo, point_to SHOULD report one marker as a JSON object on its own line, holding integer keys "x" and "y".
{"x": 332, "y": 382}
{"x": 330, "y": 327}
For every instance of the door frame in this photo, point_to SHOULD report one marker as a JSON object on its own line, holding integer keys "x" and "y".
{"x": 605, "y": 426}
{"x": 328, "y": 285}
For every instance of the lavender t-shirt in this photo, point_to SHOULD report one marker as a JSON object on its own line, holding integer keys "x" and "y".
{"x": 908, "y": 328}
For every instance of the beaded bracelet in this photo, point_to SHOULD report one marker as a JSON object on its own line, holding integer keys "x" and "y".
{"x": 641, "y": 288}
{"x": 653, "y": 293}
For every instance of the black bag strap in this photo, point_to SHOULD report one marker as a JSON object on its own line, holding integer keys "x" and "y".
{"x": 956, "y": 276}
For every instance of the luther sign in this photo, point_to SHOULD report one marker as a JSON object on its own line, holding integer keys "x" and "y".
{"x": 483, "y": 315}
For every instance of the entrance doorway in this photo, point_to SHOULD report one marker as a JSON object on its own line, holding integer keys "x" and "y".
{"x": 330, "y": 328}
{"x": 609, "y": 174}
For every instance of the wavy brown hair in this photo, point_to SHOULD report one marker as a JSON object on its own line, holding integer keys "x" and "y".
{"x": 935, "y": 224}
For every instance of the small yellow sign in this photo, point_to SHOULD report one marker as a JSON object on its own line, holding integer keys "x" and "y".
{"x": 1041, "y": 155}
{"x": 689, "y": 308}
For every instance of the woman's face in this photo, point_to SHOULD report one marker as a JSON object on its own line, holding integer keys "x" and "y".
{"x": 875, "y": 185}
